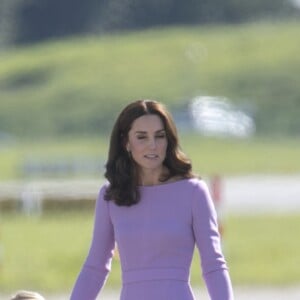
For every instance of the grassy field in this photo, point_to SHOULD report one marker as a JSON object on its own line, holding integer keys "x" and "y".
{"x": 209, "y": 156}
{"x": 78, "y": 84}
{"x": 46, "y": 253}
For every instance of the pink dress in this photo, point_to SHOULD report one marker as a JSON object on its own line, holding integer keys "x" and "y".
{"x": 156, "y": 240}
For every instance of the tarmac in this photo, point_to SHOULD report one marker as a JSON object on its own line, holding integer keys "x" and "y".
{"x": 241, "y": 293}
{"x": 260, "y": 193}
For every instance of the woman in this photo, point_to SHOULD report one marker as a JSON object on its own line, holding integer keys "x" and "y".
{"x": 156, "y": 210}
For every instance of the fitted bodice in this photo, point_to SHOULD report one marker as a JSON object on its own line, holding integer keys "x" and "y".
{"x": 156, "y": 233}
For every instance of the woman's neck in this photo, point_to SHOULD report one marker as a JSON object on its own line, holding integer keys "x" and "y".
{"x": 152, "y": 177}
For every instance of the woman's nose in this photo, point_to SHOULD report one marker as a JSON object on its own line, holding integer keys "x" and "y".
{"x": 152, "y": 143}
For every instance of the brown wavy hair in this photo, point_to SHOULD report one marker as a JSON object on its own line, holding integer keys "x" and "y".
{"x": 121, "y": 170}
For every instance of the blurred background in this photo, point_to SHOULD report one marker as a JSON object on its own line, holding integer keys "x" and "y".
{"x": 229, "y": 71}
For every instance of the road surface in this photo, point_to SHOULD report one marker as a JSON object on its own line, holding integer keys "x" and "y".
{"x": 241, "y": 293}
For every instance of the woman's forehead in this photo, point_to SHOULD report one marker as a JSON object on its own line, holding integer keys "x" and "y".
{"x": 148, "y": 123}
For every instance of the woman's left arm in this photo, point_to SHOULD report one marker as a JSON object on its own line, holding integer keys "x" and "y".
{"x": 207, "y": 237}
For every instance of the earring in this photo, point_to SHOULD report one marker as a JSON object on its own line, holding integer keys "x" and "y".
{"x": 129, "y": 155}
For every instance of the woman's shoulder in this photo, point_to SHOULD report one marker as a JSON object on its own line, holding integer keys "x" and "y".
{"x": 186, "y": 183}
{"x": 196, "y": 185}
{"x": 194, "y": 181}
{"x": 103, "y": 187}
{"x": 194, "y": 188}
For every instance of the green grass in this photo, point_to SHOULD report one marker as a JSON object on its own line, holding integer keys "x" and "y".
{"x": 42, "y": 252}
{"x": 238, "y": 157}
{"x": 14, "y": 156}
{"x": 78, "y": 84}
{"x": 263, "y": 250}
{"x": 46, "y": 253}
{"x": 209, "y": 156}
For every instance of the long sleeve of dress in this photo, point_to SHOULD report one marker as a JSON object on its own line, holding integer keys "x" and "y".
{"x": 207, "y": 238}
{"x": 98, "y": 262}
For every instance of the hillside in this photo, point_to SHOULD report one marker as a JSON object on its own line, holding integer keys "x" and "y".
{"x": 77, "y": 86}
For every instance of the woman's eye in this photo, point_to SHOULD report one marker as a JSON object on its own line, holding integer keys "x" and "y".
{"x": 141, "y": 137}
{"x": 161, "y": 136}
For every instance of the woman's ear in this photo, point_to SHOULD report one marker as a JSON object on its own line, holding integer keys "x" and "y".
{"x": 127, "y": 147}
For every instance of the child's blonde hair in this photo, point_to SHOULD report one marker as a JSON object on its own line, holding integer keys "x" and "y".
{"x": 27, "y": 295}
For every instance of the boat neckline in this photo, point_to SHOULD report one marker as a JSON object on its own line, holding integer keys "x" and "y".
{"x": 166, "y": 183}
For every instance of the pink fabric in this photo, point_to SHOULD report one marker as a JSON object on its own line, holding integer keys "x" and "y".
{"x": 156, "y": 240}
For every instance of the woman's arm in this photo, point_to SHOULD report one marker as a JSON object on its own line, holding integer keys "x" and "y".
{"x": 205, "y": 227}
{"x": 98, "y": 262}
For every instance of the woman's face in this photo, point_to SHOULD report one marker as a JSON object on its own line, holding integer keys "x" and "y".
{"x": 147, "y": 142}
